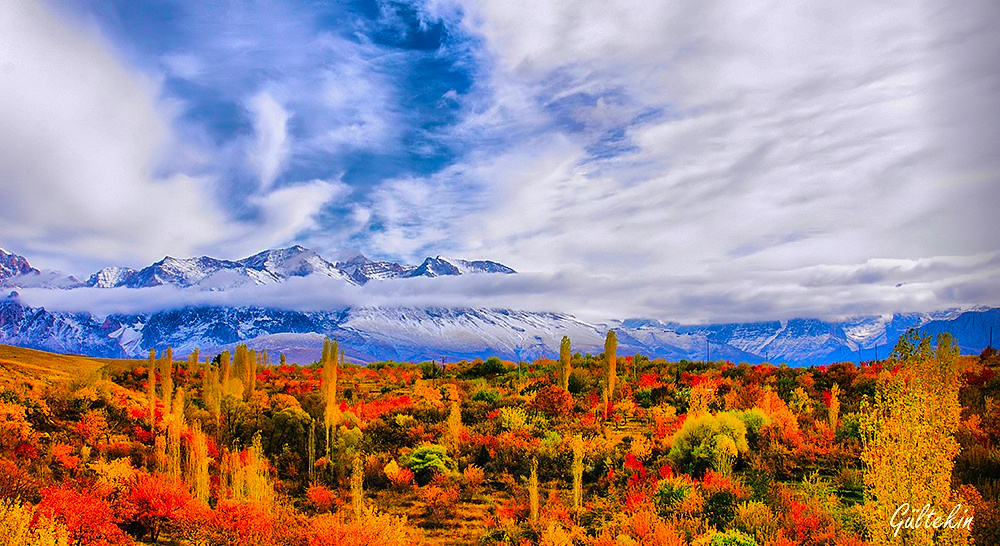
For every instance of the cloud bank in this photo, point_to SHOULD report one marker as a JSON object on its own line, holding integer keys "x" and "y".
{"x": 678, "y": 160}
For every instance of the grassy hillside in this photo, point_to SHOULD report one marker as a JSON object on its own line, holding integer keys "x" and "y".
{"x": 28, "y": 366}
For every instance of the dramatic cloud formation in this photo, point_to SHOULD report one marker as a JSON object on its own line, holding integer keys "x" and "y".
{"x": 678, "y": 160}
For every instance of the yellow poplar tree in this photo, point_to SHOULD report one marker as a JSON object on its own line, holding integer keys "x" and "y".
{"x": 610, "y": 354}
{"x": 167, "y": 377}
{"x": 834, "y": 406}
{"x": 331, "y": 413}
{"x": 212, "y": 390}
{"x": 175, "y": 425}
{"x": 250, "y": 482}
{"x": 533, "y": 490}
{"x": 192, "y": 361}
{"x": 197, "y": 464}
{"x": 357, "y": 487}
{"x": 151, "y": 393}
{"x": 908, "y": 441}
{"x": 577, "y": 469}
{"x": 564, "y": 362}
{"x": 225, "y": 370}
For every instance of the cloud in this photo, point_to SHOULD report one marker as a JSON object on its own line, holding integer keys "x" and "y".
{"x": 81, "y": 140}
{"x": 271, "y": 147}
{"x": 674, "y": 159}
{"x": 752, "y": 146}
{"x": 826, "y": 292}
{"x": 90, "y": 158}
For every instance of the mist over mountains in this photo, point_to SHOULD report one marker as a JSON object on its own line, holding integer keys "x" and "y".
{"x": 400, "y": 332}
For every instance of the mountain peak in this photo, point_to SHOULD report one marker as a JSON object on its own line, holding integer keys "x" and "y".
{"x": 12, "y": 265}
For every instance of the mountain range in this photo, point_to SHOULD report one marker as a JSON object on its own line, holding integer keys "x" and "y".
{"x": 268, "y": 267}
{"x": 414, "y": 334}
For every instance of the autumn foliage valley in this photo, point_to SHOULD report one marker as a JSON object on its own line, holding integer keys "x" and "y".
{"x": 589, "y": 449}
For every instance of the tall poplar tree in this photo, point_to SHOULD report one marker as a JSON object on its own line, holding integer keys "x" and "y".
{"x": 151, "y": 390}
{"x": 611, "y": 358}
{"x": 329, "y": 361}
{"x": 564, "y": 363}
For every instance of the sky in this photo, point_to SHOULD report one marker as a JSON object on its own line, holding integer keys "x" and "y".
{"x": 684, "y": 160}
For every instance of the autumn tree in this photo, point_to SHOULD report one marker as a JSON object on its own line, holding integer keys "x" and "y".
{"x": 577, "y": 471}
{"x": 834, "y": 406}
{"x": 192, "y": 360}
{"x": 533, "y": 490}
{"x": 175, "y": 426}
{"x": 908, "y": 439}
{"x": 565, "y": 367}
{"x": 357, "y": 487}
{"x": 167, "y": 376}
{"x": 611, "y": 358}
{"x": 197, "y": 464}
{"x": 211, "y": 390}
{"x": 151, "y": 389}
{"x": 330, "y": 364}
{"x": 225, "y": 371}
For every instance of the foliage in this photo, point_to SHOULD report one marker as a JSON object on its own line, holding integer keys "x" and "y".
{"x": 689, "y": 453}
{"x": 909, "y": 444}
{"x": 732, "y": 538}
{"x": 554, "y": 401}
{"x": 703, "y": 441}
{"x": 428, "y": 460}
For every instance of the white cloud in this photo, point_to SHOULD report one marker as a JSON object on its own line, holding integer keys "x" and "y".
{"x": 788, "y": 138}
{"x": 81, "y": 136}
{"x": 83, "y": 141}
{"x": 271, "y": 147}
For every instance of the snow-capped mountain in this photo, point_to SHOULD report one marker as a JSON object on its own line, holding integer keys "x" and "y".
{"x": 268, "y": 267}
{"x": 362, "y": 270}
{"x": 373, "y": 333}
{"x": 12, "y": 265}
{"x": 410, "y": 334}
{"x": 274, "y": 266}
{"x": 15, "y": 271}
{"x": 439, "y": 267}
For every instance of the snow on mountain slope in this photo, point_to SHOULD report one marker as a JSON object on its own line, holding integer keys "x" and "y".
{"x": 110, "y": 277}
{"x": 438, "y": 267}
{"x": 12, "y": 265}
{"x": 294, "y": 261}
{"x": 362, "y": 270}
{"x": 274, "y": 266}
{"x": 410, "y": 333}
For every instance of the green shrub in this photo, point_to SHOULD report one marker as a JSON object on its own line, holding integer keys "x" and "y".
{"x": 732, "y": 538}
{"x": 428, "y": 460}
{"x": 754, "y": 420}
{"x": 669, "y": 493}
{"x": 695, "y": 445}
{"x": 757, "y": 520}
{"x": 489, "y": 396}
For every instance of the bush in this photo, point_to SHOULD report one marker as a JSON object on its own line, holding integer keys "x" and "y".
{"x": 553, "y": 401}
{"x": 754, "y": 420}
{"x": 757, "y": 520}
{"x": 732, "y": 538}
{"x": 428, "y": 460}
{"x": 373, "y": 529}
{"x": 488, "y": 396}
{"x": 669, "y": 493}
{"x": 695, "y": 445}
{"x": 88, "y": 518}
